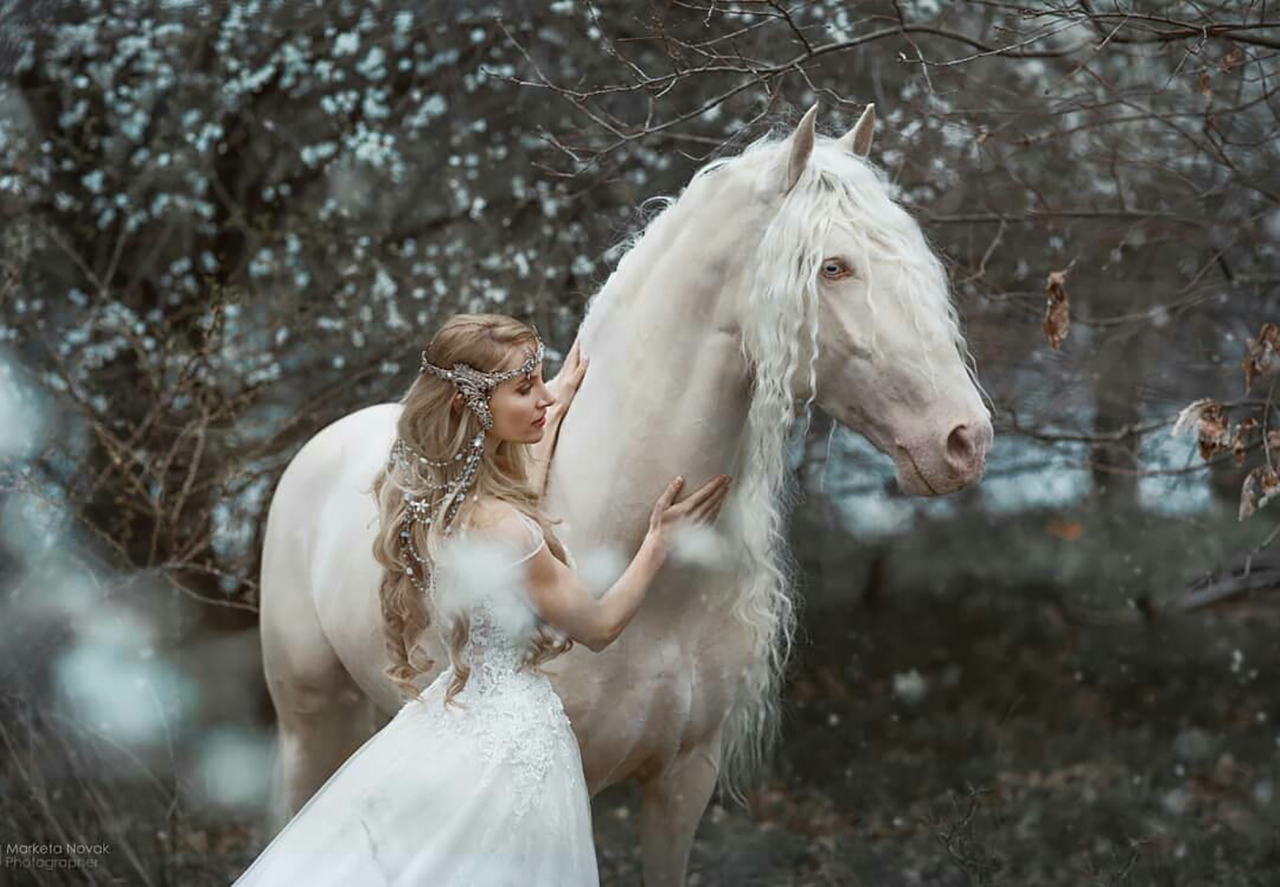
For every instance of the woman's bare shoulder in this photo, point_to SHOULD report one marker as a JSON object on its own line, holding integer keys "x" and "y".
{"x": 498, "y": 519}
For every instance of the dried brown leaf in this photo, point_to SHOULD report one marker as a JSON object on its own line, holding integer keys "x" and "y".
{"x": 1270, "y": 482}
{"x": 1248, "y": 496}
{"x": 1210, "y": 422}
{"x": 1247, "y": 424}
{"x": 1057, "y": 311}
{"x": 1262, "y": 355}
{"x": 1202, "y": 85}
{"x": 1213, "y": 432}
{"x": 1264, "y": 478}
{"x": 1066, "y": 530}
{"x": 1212, "y": 428}
{"x": 1189, "y": 415}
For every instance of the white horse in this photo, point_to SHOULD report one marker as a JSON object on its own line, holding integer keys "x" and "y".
{"x": 782, "y": 277}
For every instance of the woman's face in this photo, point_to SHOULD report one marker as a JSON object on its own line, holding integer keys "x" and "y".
{"x": 519, "y": 405}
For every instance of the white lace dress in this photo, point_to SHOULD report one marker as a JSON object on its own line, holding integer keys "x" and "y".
{"x": 488, "y": 792}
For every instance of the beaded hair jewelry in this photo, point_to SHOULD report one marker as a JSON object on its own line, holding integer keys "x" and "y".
{"x": 476, "y": 388}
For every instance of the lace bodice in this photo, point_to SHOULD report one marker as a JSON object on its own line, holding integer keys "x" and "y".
{"x": 482, "y": 577}
{"x": 492, "y": 651}
{"x": 508, "y": 709}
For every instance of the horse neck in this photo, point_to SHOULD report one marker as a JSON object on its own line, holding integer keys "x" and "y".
{"x": 668, "y": 389}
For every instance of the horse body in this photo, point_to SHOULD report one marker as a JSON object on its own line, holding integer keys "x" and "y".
{"x": 694, "y": 362}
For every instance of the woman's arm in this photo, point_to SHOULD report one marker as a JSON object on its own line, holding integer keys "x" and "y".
{"x": 560, "y": 598}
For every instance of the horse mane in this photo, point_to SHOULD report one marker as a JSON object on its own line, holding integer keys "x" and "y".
{"x": 837, "y": 190}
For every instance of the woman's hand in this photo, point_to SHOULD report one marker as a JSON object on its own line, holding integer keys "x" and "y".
{"x": 564, "y": 387}
{"x": 699, "y": 507}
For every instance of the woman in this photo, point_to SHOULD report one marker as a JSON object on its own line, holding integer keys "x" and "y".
{"x": 477, "y": 779}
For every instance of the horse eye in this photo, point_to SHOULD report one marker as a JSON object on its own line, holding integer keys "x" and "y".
{"x": 834, "y": 269}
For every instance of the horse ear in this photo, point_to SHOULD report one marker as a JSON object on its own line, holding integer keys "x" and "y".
{"x": 858, "y": 140}
{"x": 801, "y": 147}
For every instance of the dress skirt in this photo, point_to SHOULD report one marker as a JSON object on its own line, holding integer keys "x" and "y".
{"x": 487, "y": 791}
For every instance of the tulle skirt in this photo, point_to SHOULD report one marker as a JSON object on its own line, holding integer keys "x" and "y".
{"x": 490, "y": 794}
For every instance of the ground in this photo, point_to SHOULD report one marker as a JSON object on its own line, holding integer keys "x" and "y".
{"x": 1020, "y": 765}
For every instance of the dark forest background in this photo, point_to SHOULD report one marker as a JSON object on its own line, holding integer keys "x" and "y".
{"x": 224, "y": 225}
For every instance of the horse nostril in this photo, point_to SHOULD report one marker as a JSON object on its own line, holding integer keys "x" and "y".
{"x": 961, "y": 446}
{"x": 967, "y": 448}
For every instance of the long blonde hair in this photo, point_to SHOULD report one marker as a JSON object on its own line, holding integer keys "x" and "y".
{"x": 429, "y": 426}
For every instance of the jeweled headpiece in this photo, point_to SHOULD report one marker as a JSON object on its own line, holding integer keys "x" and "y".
{"x": 476, "y": 388}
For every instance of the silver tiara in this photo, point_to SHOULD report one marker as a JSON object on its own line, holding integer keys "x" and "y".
{"x": 476, "y": 388}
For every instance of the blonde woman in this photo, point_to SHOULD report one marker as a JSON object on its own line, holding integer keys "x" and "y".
{"x": 477, "y": 779}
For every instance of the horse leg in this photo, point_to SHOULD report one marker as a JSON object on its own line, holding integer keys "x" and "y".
{"x": 671, "y": 805}
{"x": 322, "y": 715}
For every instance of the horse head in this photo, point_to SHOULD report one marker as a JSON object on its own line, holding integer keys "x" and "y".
{"x": 850, "y": 308}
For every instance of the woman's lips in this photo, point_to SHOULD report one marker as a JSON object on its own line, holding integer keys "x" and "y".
{"x": 541, "y": 422}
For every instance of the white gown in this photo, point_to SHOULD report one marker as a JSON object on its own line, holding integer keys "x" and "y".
{"x": 489, "y": 792}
